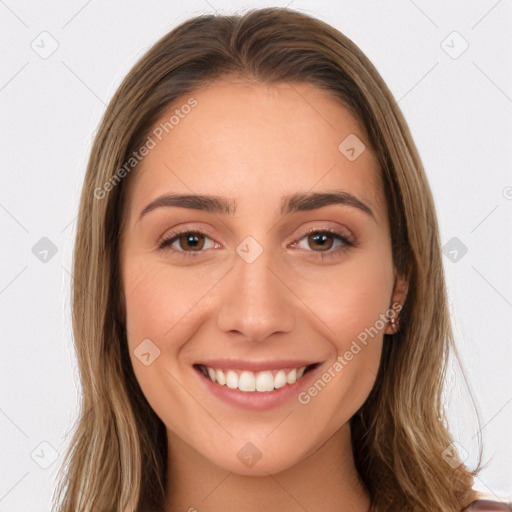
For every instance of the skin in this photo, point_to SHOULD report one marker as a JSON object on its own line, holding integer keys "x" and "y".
{"x": 254, "y": 143}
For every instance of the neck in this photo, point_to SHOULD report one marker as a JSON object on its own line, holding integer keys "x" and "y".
{"x": 326, "y": 481}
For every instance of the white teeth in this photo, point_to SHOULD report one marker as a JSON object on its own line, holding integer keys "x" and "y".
{"x": 280, "y": 379}
{"x": 291, "y": 377}
{"x": 231, "y": 379}
{"x": 265, "y": 381}
{"x": 219, "y": 377}
{"x": 246, "y": 381}
{"x": 249, "y": 381}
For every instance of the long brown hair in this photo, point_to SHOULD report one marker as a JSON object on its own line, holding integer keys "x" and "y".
{"x": 116, "y": 459}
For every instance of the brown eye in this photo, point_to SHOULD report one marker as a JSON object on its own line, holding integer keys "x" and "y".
{"x": 324, "y": 243}
{"x": 185, "y": 242}
{"x": 320, "y": 240}
{"x": 193, "y": 241}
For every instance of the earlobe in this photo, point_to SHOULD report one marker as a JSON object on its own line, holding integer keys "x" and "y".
{"x": 400, "y": 290}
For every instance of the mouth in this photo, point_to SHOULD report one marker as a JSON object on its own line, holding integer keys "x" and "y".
{"x": 248, "y": 381}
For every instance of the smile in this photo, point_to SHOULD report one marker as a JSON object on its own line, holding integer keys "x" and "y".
{"x": 249, "y": 381}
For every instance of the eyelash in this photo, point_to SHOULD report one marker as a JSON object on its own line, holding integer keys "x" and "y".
{"x": 347, "y": 243}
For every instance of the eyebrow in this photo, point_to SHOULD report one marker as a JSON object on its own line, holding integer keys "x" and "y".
{"x": 289, "y": 204}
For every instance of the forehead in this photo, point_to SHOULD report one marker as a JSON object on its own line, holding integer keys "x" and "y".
{"x": 253, "y": 140}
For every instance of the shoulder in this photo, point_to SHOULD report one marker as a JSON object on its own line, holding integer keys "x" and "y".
{"x": 489, "y": 506}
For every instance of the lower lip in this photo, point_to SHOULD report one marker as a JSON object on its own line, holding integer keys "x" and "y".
{"x": 258, "y": 400}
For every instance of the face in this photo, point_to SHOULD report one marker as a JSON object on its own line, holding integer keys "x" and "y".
{"x": 277, "y": 288}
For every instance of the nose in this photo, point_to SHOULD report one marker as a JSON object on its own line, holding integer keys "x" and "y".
{"x": 256, "y": 301}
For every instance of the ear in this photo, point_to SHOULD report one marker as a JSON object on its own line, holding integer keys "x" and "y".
{"x": 397, "y": 301}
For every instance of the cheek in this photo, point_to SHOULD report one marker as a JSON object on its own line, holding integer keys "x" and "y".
{"x": 349, "y": 304}
{"x": 159, "y": 297}
{"x": 159, "y": 301}
{"x": 143, "y": 290}
{"x": 352, "y": 297}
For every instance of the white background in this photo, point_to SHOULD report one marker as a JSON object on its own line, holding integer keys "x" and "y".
{"x": 460, "y": 114}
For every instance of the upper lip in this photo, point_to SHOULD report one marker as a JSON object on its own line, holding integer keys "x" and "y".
{"x": 255, "y": 366}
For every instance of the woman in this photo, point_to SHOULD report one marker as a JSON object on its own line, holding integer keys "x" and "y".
{"x": 259, "y": 305}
